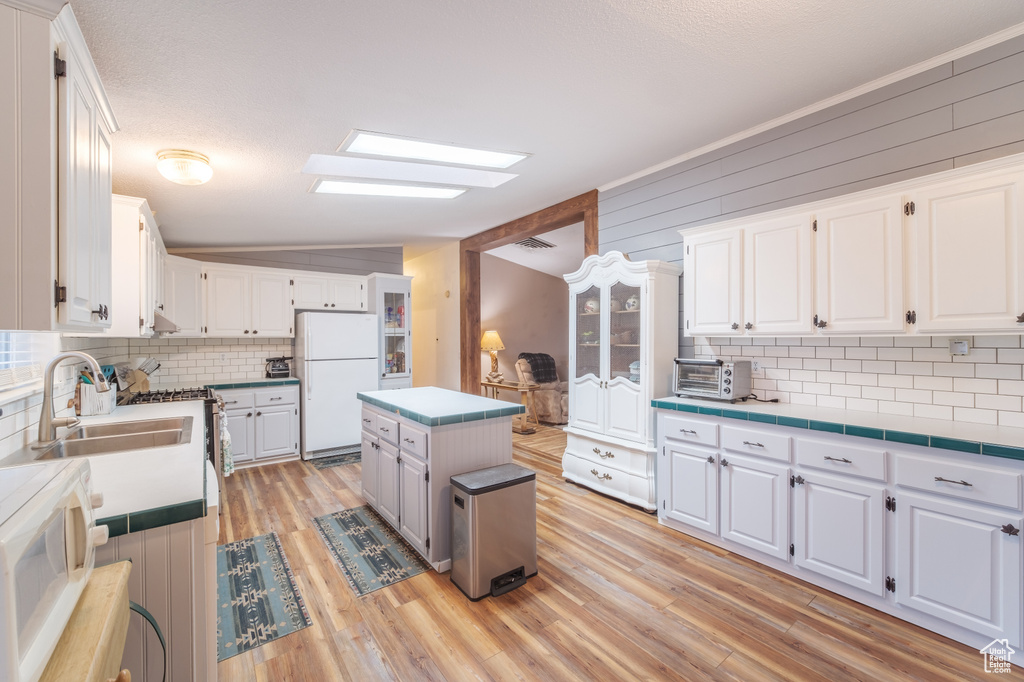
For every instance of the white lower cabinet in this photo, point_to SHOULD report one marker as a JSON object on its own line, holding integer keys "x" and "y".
{"x": 839, "y": 530}
{"x": 388, "y": 503}
{"x": 755, "y": 504}
{"x": 370, "y": 468}
{"x": 928, "y": 535}
{"x": 263, "y": 422}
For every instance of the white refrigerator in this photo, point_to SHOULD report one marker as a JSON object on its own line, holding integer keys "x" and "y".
{"x": 335, "y": 358}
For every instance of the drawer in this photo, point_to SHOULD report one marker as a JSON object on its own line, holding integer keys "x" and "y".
{"x": 841, "y": 458}
{"x": 604, "y": 479}
{"x": 626, "y": 460}
{"x": 755, "y": 442}
{"x": 369, "y": 421}
{"x": 387, "y": 428}
{"x": 237, "y": 400}
{"x": 689, "y": 430}
{"x": 279, "y": 395}
{"x": 987, "y": 485}
{"x": 414, "y": 440}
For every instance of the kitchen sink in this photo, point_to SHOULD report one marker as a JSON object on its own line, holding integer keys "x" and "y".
{"x": 104, "y": 439}
{"x": 130, "y": 428}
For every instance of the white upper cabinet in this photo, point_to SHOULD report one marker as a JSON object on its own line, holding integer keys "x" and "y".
{"x": 970, "y": 252}
{"x": 713, "y": 283}
{"x": 312, "y": 292}
{"x": 943, "y": 254}
{"x": 246, "y": 302}
{"x": 272, "y": 313}
{"x": 777, "y": 276}
{"x": 859, "y": 249}
{"x": 331, "y": 292}
{"x": 183, "y": 293}
{"x": 55, "y": 130}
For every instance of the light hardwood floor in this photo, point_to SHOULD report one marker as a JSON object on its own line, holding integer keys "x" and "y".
{"x": 617, "y": 597}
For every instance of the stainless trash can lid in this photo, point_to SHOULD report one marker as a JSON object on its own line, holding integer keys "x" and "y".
{"x": 492, "y": 478}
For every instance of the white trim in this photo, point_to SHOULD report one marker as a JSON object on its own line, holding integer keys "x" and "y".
{"x": 282, "y": 247}
{"x": 952, "y": 55}
{"x": 48, "y": 9}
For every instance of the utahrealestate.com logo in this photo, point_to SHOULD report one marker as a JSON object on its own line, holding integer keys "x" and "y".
{"x": 997, "y": 656}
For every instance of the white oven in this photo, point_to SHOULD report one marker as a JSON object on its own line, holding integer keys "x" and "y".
{"x": 48, "y": 534}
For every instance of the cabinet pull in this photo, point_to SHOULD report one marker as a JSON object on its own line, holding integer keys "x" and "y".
{"x": 366, "y": 421}
{"x": 839, "y": 459}
{"x": 597, "y": 451}
{"x": 688, "y": 431}
{"x": 601, "y": 477}
{"x": 735, "y": 325}
{"x": 946, "y": 480}
{"x": 711, "y": 460}
{"x": 753, "y": 445}
{"x": 1010, "y": 530}
{"x": 607, "y": 454}
{"x": 230, "y": 402}
{"x": 724, "y": 462}
{"x": 409, "y": 440}
{"x": 278, "y": 397}
{"x": 384, "y": 429}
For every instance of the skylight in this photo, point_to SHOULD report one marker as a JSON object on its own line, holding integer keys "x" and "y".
{"x": 340, "y": 166}
{"x": 377, "y": 144}
{"x": 378, "y": 190}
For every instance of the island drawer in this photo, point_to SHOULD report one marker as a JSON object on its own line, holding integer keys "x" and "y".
{"x": 962, "y": 480}
{"x": 414, "y": 441}
{"x": 369, "y": 421}
{"x": 387, "y": 428}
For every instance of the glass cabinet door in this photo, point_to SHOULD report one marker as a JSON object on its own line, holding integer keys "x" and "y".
{"x": 624, "y": 332}
{"x": 395, "y": 332}
{"x": 588, "y": 332}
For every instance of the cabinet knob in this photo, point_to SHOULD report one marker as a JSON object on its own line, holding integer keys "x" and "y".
{"x": 735, "y": 325}
{"x": 332, "y": 305}
{"x": 724, "y": 462}
{"x": 246, "y": 331}
{"x": 711, "y": 460}
{"x": 325, "y": 305}
{"x": 1010, "y": 530}
{"x": 248, "y": 415}
{"x": 255, "y": 331}
{"x": 748, "y": 325}
{"x": 1020, "y": 318}
{"x": 820, "y": 324}
{"x": 259, "y": 414}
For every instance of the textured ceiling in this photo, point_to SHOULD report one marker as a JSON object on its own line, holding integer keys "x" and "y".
{"x": 594, "y": 89}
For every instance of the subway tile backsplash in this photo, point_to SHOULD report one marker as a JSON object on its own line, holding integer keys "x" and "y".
{"x": 193, "y": 362}
{"x": 907, "y": 375}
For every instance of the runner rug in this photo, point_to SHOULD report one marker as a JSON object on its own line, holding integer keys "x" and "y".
{"x": 257, "y": 598}
{"x": 371, "y": 553}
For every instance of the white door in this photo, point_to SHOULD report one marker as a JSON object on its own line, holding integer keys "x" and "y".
{"x": 272, "y": 313}
{"x": 387, "y": 493}
{"x": 312, "y": 293}
{"x": 348, "y": 293}
{"x": 241, "y": 426}
{"x": 754, "y": 504}
{"x": 955, "y": 562}
{"x": 970, "y": 255}
{"x": 76, "y": 221}
{"x": 227, "y": 302}
{"x": 147, "y": 253}
{"x": 101, "y": 260}
{"x": 626, "y": 410}
{"x": 859, "y": 267}
{"x": 275, "y": 431}
{"x": 691, "y": 493}
{"x": 183, "y": 279}
{"x": 413, "y": 508}
{"x": 777, "y": 276}
{"x": 838, "y": 528}
{"x": 587, "y": 399}
{"x": 369, "y": 470}
{"x": 331, "y": 412}
{"x": 713, "y": 283}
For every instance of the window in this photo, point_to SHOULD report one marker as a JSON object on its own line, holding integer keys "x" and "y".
{"x": 22, "y": 355}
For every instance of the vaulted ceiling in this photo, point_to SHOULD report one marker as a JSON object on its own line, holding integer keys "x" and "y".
{"x": 594, "y": 90}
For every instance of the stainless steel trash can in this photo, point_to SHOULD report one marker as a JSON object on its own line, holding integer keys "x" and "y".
{"x": 494, "y": 530}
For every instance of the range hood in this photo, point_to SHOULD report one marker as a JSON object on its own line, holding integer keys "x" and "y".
{"x": 161, "y": 325}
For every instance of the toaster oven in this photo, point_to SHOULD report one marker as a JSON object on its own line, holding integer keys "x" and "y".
{"x": 713, "y": 379}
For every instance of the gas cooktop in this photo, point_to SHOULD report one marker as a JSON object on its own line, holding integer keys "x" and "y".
{"x": 172, "y": 395}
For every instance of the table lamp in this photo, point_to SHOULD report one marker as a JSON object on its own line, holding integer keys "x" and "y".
{"x": 490, "y": 341}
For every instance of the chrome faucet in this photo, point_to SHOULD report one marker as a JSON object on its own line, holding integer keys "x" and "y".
{"x": 47, "y": 422}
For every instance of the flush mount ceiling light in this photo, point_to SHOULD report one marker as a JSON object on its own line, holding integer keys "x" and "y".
{"x": 402, "y": 171}
{"x": 378, "y": 190}
{"x": 184, "y": 167}
{"x": 377, "y": 144}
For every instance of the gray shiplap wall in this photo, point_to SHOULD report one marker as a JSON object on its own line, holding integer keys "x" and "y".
{"x": 345, "y": 261}
{"x": 961, "y": 112}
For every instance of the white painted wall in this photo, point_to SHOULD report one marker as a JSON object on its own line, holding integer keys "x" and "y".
{"x": 435, "y": 317}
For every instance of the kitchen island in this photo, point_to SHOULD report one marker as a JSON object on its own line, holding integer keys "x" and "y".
{"x": 413, "y": 441}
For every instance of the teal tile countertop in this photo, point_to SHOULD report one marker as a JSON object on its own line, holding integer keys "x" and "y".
{"x": 255, "y": 383}
{"x": 433, "y": 406}
{"x": 980, "y": 439}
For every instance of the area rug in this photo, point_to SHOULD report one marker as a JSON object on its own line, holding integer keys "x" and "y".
{"x": 339, "y": 459}
{"x": 371, "y": 553}
{"x": 257, "y": 598}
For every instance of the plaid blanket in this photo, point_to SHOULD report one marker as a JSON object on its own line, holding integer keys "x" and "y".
{"x": 542, "y": 365}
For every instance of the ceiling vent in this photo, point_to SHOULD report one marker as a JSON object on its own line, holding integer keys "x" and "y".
{"x": 534, "y": 243}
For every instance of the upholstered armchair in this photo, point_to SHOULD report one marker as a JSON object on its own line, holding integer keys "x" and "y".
{"x": 551, "y": 399}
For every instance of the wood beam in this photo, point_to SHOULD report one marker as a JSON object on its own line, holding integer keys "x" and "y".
{"x": 582, "y": 208}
